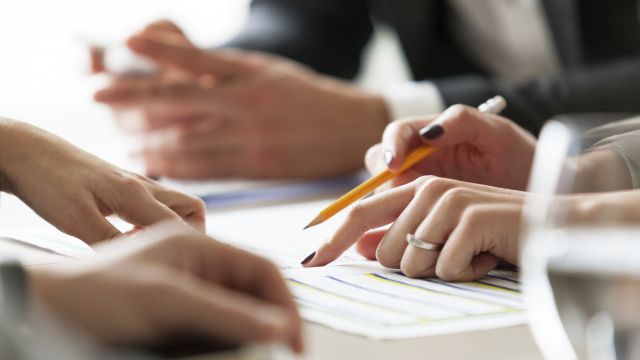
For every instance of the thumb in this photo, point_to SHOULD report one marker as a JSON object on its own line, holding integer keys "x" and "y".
{"x": 399, "y": 138}
{"x": 374, "y": 160}
{"x": 93, "y": 228}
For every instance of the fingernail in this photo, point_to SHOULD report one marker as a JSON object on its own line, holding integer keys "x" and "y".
{"x": 432, "y": 132}
{"x": 388, "y": 157}
{"x": 308, "y": 258}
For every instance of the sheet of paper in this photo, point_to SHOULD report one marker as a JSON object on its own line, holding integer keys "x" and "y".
{"x": 276, "y": 232}
{"x": 57, "y": 243}
{"x": 388, "y": 305}
{"x": 359, "y": 296}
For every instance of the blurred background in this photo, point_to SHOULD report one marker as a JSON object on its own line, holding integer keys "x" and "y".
{"x": 44, "y": 75}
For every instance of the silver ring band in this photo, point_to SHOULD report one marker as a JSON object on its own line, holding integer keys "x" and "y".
{"x": 414, "y": 241}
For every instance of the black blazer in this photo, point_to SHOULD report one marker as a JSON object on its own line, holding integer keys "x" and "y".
{"x": 597, "y": 41}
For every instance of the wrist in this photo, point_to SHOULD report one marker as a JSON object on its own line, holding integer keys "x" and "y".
{"x": 5, "y": 136}
{"x": 601, "y": 170}
{"x": 376, "y": 110}
{"x": 367, "y": 112}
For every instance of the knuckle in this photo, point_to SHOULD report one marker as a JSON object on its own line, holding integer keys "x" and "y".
{"x": 411, "y": 269}
{"x": 386, "y": 259}
{"x": 445, "y": 273}
{"x": 472, "y": 219}
{"x": 357, "y": 214}
{"x": 127, "y": 179}
{"x": 131, "y": 185}
{"x": 459, "y": 111}
{"x": 455, "y": 197}
{"x": 425, "y": 178}
{"x": 433, "y": 185}
{"x": 200, "y": 207}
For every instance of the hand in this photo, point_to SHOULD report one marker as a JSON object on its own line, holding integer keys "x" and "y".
{"x": 170, "y": 280}
{"x": 477, "y": 225}
{"x": 243, "y": 114}
{"x": 615, "y": 208}
{"x": 74, "y": 190}
{"x": 472, "y": 146}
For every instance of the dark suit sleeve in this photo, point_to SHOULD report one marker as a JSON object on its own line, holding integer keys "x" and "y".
{"x": 612, "y": 87}
{"x": 327, "y": 35}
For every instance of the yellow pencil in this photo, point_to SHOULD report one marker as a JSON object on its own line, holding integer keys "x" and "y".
{"x": 494, "y": 105}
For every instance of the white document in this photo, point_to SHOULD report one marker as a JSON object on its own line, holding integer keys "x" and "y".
{"x": 56, "y": 243}
{"x": 276, "y": 232}
{"x": 388, "y": 305}
{"x": 359, "y": 296}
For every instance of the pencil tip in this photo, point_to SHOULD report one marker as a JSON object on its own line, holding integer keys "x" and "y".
{"x": 314, "y": 222}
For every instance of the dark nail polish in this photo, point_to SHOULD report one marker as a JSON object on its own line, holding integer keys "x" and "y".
{"x": 308, "y": 258}
{"x": 388, "y": 157}
{"x": 432, "y": 132}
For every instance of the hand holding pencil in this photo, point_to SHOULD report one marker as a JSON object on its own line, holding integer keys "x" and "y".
{"x": 472, "y": 145}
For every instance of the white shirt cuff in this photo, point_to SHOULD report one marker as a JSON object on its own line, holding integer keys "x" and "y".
{"x": 413, "y": 99}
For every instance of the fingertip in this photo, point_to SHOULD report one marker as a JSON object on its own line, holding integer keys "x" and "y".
{"x": 320, "y": 257}
{"x": 374, "y": 159}
{"x": 307, "y": 259}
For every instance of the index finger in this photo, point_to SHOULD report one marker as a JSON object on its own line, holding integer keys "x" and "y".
{"x": 187, "y": 58}
{"x": 376, "y": 211}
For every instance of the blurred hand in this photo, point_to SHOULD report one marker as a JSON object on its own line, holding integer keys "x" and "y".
{"x": 232, "y": 113}
{"x": 75, "y": 191}
{"x": 477, "y": 225}
{"x": 170, "y": 280}
{"x": 472, "y": 146}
